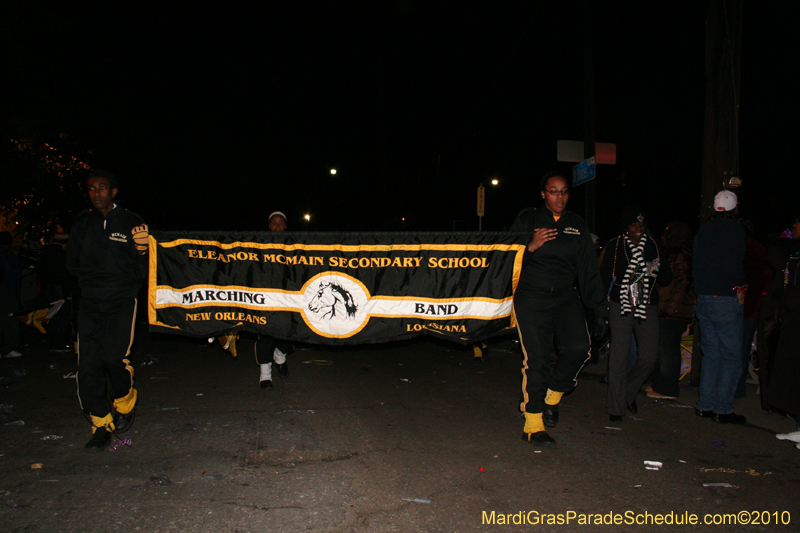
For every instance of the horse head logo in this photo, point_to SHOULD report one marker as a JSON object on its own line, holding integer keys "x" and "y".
{"x": 331, "y": 298}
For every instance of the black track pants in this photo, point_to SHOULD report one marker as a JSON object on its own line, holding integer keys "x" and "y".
{"x": 105, "y": 335}
{"x": 265, "y": 346}
{"x": 542, "y": 319}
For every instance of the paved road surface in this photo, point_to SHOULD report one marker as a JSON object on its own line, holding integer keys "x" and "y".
{"x": 405, "y": 437}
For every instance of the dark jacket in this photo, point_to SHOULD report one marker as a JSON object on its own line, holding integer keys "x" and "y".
{"x": 615, "y": 263}
{"x": 53, "y": 270}
{"x": 783, "y": 342}
{"x": 677, "y": 300}
{"x": 102, "y": 255}
{"x": 10, "y": 272}
{"x": 757, "y": 275}
{"x": 719, "y": 251}
{"x": 560, "y": 263}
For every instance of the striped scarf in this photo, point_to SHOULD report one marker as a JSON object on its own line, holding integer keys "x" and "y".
{"x": 634, "y": 291}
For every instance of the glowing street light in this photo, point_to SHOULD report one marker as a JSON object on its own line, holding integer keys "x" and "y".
{"x": 482, "y": 199}
{"x": 307, "y": 217}
{"x": 333, "y": 172}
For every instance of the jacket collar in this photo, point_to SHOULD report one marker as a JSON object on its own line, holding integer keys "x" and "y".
{"x": 545, "y": 212}
{"x": 111, "y": 214}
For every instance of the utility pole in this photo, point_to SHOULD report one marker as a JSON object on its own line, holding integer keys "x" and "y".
{"x": 723, "y": 73}
{"x": 588, "y": 110}
{"x": 721, "y": 128}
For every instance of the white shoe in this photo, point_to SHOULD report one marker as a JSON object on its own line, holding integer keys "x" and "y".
{"x": 12, "y": 354}
{"x": 278, "y": 356}
{"x": 793, "y": 436}
{"x": 265, "y": 379}
{"x": 266, "y": 372}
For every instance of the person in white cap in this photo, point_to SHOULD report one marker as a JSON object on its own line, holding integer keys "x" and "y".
{"x": 269, "y": 350}
{"x": 277, "y": 221}
{"x": 718, "y": 270}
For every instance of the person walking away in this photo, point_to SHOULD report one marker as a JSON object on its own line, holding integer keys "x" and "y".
{"x": 718, "y": 270}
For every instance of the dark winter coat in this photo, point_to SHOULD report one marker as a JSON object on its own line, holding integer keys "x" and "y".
{"x": 783, "y": 387}
{"x": 719, "y": 251}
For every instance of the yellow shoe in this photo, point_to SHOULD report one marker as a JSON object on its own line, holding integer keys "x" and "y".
{"x": 477, "y": 353}
{"x": 479, "y": 350}
{"x": 228, "y": 342}
{"x": 38, "y": 319}
{"x": 534, "y": 431}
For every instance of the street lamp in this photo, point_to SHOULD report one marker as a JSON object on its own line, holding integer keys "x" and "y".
{"x": 482, "y": 199}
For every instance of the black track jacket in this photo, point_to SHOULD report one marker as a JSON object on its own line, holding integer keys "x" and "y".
{"x": 559, "y": 263}
{"x": 102, "y": 255}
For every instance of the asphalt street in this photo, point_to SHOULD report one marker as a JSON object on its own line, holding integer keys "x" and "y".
{"x": 403, "y": 437}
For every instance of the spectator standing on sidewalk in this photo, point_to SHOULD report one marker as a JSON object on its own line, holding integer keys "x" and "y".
{"x": 108, "y": 255}
{"x": 783, "y": 392}
{"x": 675, "y": 310}
{"x": 757, "y": 277}
{"x": 58, "y": 287}
{"x": 718, "y": 270}
{"x": 632, "y": 267}
{"x": 10, "y": 271}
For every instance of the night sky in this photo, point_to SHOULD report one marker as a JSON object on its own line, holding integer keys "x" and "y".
{"x": 213, "y": 117}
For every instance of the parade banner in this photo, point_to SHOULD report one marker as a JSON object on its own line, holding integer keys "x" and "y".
{"x": 335, "y": 288}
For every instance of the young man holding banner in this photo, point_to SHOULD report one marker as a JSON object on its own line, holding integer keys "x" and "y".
{"x": 269, "y": 350}
{"x": 108, "y": 255}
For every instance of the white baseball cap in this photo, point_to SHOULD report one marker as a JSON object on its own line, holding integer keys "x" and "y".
{"x": 725, "y": 201}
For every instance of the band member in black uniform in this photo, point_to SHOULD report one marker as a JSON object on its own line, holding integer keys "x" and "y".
{"x": 269, "y": 350}
{"x": 108, "y": 255}
{"x": 559, "y": 277}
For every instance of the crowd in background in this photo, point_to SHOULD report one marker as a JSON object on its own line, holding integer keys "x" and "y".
{"x": 737, "y": 293}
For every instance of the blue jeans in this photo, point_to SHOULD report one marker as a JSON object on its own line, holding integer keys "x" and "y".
{"x": 721, "y": 320}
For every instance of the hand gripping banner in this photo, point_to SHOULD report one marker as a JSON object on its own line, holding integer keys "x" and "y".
{"x": 335, "y": 288}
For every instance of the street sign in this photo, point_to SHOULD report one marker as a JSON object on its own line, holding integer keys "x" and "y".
{"x": 481, "y": 199}
{"x": 583, "y": 172}
{"x": 572, "y": 151}
{"x": 605, "y": 153}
